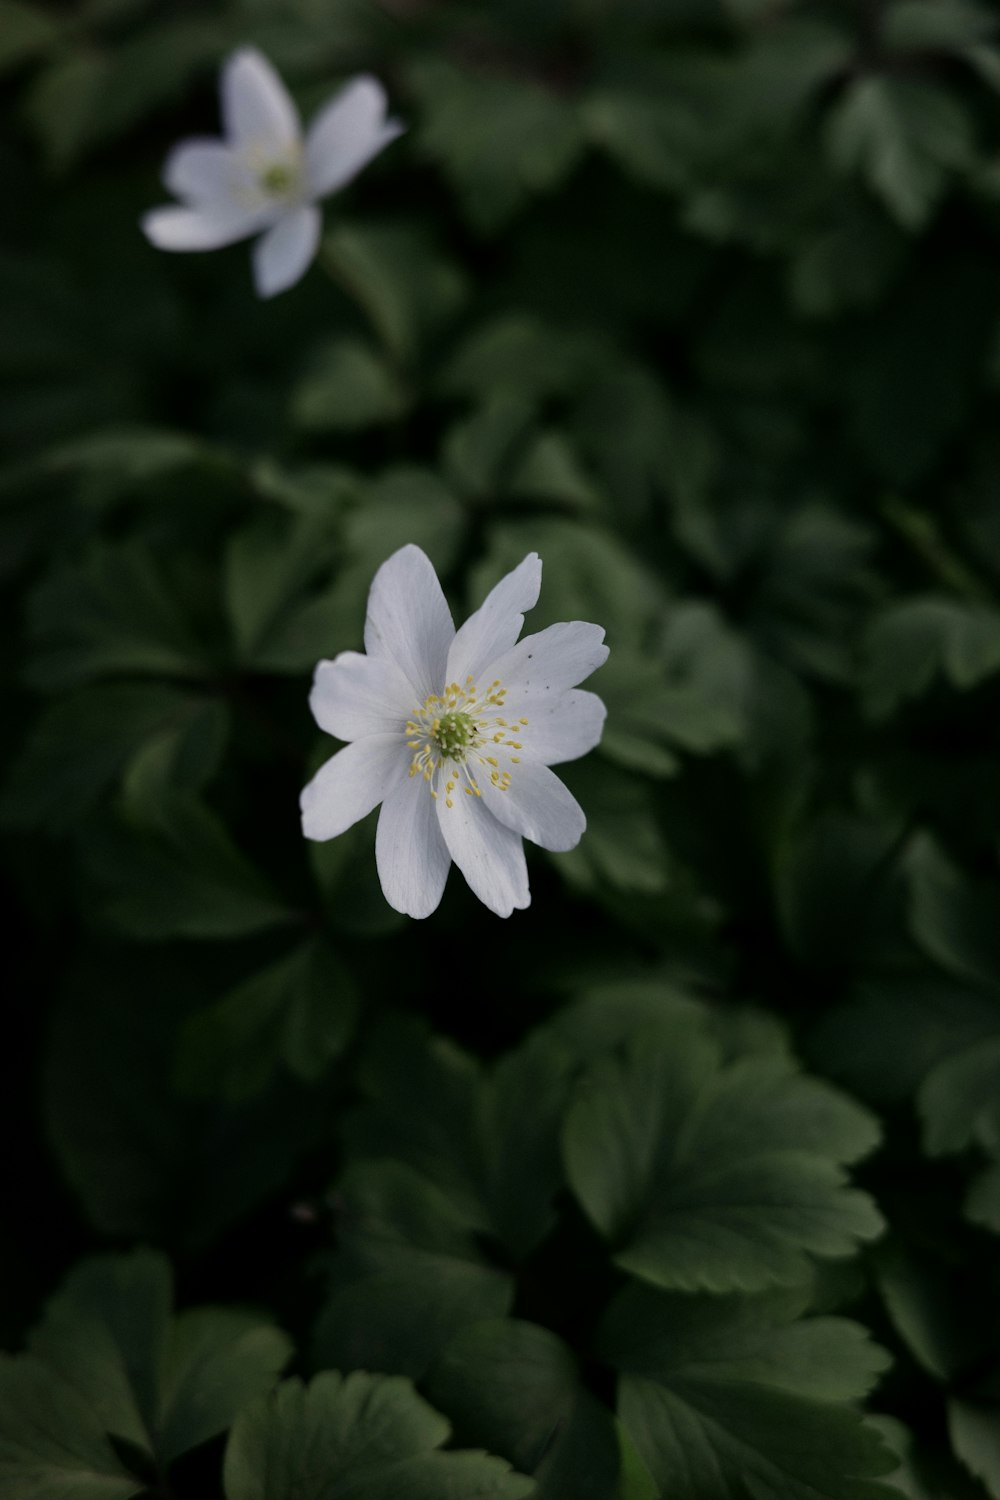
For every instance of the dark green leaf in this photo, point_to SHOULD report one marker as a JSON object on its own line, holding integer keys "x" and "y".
{"x": 300, "y": 1011}
{"x": 717, "y": 1177}
{"x": 499, "y": 140}
{"x": 81, "y": 744}
{"x": 909, "y": 644}
{"x": 367, "y": 1437}
{"x": 111, "y": 614}
{"x": 906, "y": 138}
{"x": 974, "y": 1428}
{"x": 349, "y": 386}
{"x": 952, "y": 918}
{"x": 108, "y": 1360}
{"x": 407, "y": 287}
{"x": 183, "y": 876}
{"x": 514, "y": 1388}
{"x": 724, "y": 1393}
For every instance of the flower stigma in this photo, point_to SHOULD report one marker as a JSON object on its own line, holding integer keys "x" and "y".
{"x": 451, "y": 734}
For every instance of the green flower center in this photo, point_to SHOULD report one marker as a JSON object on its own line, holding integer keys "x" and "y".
{"x": 453, "y": 733}
{"x": 277, "y": 179}
{"x": 450, "y": 734}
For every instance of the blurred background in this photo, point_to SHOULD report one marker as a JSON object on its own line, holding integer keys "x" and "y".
{"x": 699, "y": 299}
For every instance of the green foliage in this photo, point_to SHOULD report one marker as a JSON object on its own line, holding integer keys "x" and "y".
{"x": 730, "y": 1392}
{"x": 366, "y": 1435}
{"x": 712, "y": 1178}
{"x": 109, "y": 1361}
{"x": 698, "y": 301}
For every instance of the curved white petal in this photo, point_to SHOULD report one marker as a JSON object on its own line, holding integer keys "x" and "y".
{"x": 349, "y": 785}
{"x": 551, "y": 661}
{"x": 204, "y": 172}
{"x": 490, "y": 856}
{"x": 410, "y": 853}
{"x": 560, "y": 727}
{"x": 355, "y": 695}
{"x": 176, "y": 228}
{"x": 537, "y": 806}
{"x": 409, "y": 621}
{"x": 496, "y": 625}
{"x": 346, "y": 134}
{"x": 257, "y": 110}
{"x": 282, "y": 255}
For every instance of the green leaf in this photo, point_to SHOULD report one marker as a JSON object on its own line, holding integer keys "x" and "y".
{"x": 108, "y": 1359}
{"x": 884, "y": 1040}
{"x": 726, "y": 1394}
{"x": 982, "y": 1201}
{"x": 623, "y": 847}
{"x": 722, "y": 693}
{"x": 848, "y": 264}
{"x": 182, "y": 876}
{"x": 348, "y": 387}
{"x": 925, "y": 26}
{"x": 906, "y": 138}
{"x": 974, "y": 1428}
{"x": 144, "y": 1161}
{"x": 722, "y": 1177}
{"x": 480, "y": 450}
{"x": 549, "y": 468}
{"x": 931, "y": 1311}
{"x": 499, "y": 140}
{"x": 81, "y": 744}
{"x": 952, "y": 918}
{"x": 960, "y": 1100}
{"x": 606, "y": 1015}
{"x": 300, "y": 1011}
{"x": 408, "y": 1273}
{"x": 445, "y": 1159}
{"x": 52, "y": 1443}
{"x": 62, "y": 104}
{"x": 404, "y": 283}
{"x": 514, "y": 1388}
{"x": 656, "y": 137}
{"x": 25, "y": 30}
{"x": 910, "y": 643}
{"x": 113, "y": 613}
{"x": 639, "y": 726}
{"x": 518, "y": 354}
{"x": 125, "y": 459}
{"x": 369, "y": 1436}
{"x": 836, "y": 888}
{"x": 431, "y": 1107}
{"x": 268, "y": 569}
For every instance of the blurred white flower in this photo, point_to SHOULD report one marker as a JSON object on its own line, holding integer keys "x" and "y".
{"x": 454, "y": 735}
{"x": 264, "y": 177}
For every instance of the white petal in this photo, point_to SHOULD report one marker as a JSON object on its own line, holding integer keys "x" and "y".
{"x": 204, "y": 172}
{"x": 560, "y": 727}
{"x": 346, "y": 134}
{"x": 355, "y": 695}
{"x": 412, "y": 857}
{"x": 490, "y": 856}
{"x": 349, "y": 785}
{"x": 496, "y": 625}
{"x": 256, "y": 107}
{"x": 537, "y": 806}
{"x": 551, "y": 661}
{"x": 409, "y": 621}
{"x": 176, "y": 228}
{"x": 282, "y": 255}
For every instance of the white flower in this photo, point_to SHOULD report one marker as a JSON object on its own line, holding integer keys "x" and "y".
{"x": 454, "y": 735}
{"x": 264, "y": 178}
